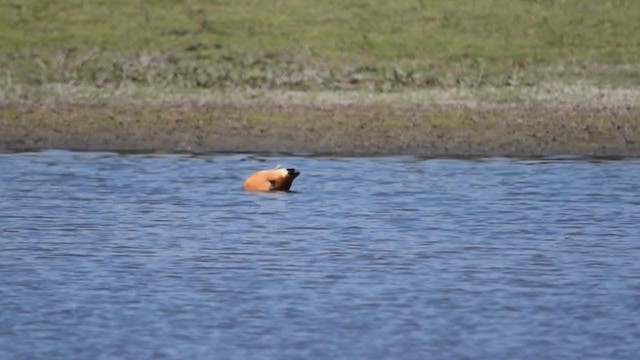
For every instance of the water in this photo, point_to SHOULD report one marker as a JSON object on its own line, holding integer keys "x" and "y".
{"x": 163, "y": 256}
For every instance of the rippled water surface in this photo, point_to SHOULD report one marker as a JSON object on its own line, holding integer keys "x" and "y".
{"x": 139, "y": 256}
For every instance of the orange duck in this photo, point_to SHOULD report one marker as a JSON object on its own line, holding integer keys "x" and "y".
{"x": 278, "y": 179}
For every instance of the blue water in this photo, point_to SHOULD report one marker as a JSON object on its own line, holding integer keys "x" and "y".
{"x": 108, "y": 256}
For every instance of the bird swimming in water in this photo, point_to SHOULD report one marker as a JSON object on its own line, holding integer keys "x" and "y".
{"x": 278, "y": 179}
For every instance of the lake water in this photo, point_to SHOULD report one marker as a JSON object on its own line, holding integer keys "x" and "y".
{"x": 106, "y": 255}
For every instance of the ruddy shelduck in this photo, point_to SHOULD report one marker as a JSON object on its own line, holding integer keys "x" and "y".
{"x": 278, "y": 179}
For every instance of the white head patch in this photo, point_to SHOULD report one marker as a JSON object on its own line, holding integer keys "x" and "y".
{"x": 282, "y": 171}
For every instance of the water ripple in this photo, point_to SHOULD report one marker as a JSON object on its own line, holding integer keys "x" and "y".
{"x": 135, "y": 256}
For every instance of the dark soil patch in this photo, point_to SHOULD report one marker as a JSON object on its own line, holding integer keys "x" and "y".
{"x": 337, "y": 130}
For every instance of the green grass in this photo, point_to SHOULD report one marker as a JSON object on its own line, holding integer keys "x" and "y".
{"x": 298, "y": 44}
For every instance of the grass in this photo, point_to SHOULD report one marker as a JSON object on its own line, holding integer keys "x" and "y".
{"x": 337, "y": 76}
{"x": 301, "y": 45}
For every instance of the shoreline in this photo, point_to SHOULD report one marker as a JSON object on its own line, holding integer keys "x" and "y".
{"x": 339, "y": 124}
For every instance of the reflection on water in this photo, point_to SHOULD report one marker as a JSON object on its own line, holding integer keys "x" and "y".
{"x": 138, "y": 256}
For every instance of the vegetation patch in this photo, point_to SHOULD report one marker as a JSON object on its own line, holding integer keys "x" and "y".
{"x": 346, "y": 77}
{"x": 296, "y": 45}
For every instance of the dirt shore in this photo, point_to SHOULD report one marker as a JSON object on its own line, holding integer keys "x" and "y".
{"x": 337, "y": 130}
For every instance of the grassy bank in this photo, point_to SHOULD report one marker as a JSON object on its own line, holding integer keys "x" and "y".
{"x": 486, "y": 77}
{"x": 297, "y": 44}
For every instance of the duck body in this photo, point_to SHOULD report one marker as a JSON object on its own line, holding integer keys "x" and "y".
{"x": 278, "y": 179}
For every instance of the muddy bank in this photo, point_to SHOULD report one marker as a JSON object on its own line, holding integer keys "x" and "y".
{"x": 349, "y": 129}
